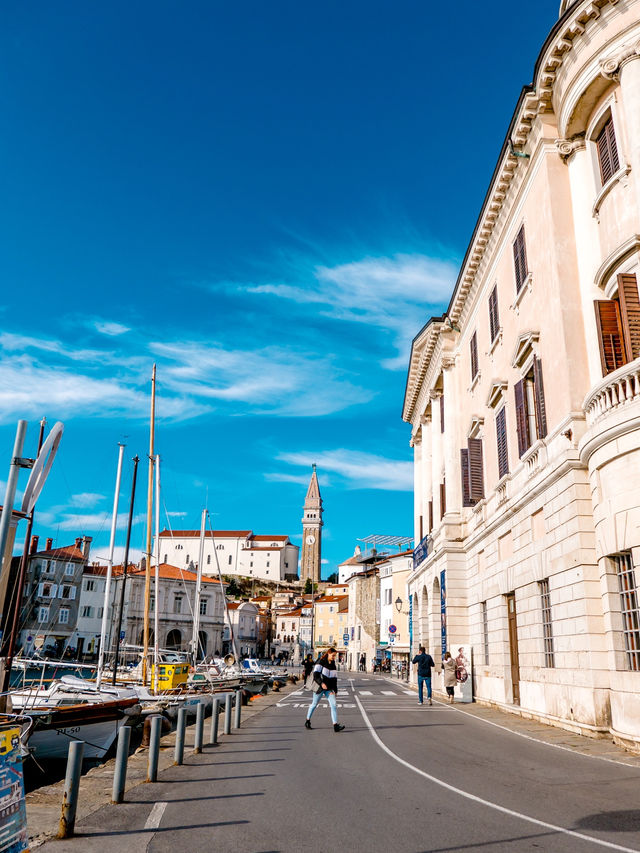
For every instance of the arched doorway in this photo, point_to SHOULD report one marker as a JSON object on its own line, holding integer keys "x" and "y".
{"x": 436, "y": 622}
{"x": 141, "y": 637}
{"x": 174, "y": 639}
{"x": 424, "y": 619}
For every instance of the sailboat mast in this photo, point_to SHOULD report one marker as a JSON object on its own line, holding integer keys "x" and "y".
{"x": 224, "y": 597}
{"x": 195, "y": 643}
{"x": 147, "y": 573}
{"x": 107, "y": 585}
{"x": 124, "y": 569}
{"x": 156, "y": 603}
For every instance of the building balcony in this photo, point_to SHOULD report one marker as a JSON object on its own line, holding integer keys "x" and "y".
{"x": 616, "y": 391}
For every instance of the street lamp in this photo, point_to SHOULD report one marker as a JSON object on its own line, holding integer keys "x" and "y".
{"x": 398, "y": 603}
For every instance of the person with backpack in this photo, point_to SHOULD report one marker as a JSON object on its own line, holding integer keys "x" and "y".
{"x": 425, "y": 665}
{"x": 325, "y": 685}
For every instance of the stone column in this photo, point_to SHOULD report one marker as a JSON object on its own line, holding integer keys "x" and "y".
{"x": 416, "y": 441}
{"x": 427, "y": 470}
{"x": 451, "y": 450}
{"x": 436, "y": 456}
{"x": 629, "y": 75}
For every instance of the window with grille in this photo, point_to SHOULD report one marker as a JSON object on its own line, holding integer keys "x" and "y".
{"x": 629, "y": 607}
{"x": 547, "y": 628}
{"x": 520, "y": 260}
{"x": 473, "y": 351}
{"x": 494, "y": 318}
{"x": 607, "y": 151}
{"x": 485, "y": 633}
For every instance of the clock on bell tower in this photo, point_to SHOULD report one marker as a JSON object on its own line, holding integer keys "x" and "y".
{"x": 312, "y": 532}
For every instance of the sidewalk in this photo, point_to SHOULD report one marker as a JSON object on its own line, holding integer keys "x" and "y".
{"x": 44, "y": 804}
{"x": 597, "y": 747}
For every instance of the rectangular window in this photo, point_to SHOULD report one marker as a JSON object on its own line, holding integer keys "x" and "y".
{"x": 177, "y": 604}
{"x": 87, "y": 612}
{"x": 547, "y": 629}
{"x": 629, "y": 607}
{"x": 63, "y": 615}
{"x": 90, "y": 586}
{"x": 100, "y": 612}
{"x": 501, "y": 440}
{"x": 531, "y": 413}
{"x": 359, "y": 632}
{"x": 607, "y": 151}
{"x": 443, "y": 498}
{"x": 618, "y": 325}
{"x": 442, "y": 412}
{"x": 43, "y": 614}
{"x": 70, "y": 569}
{"x": 485, "y": 633}
{"x": 473, "y": 352}
{"x": 472, "y": 468}
{"x": 520, "y": 260}
{"x": 203, "y": 606}
{"x": 494, "y": 317}
{"x": 49, "y": 568}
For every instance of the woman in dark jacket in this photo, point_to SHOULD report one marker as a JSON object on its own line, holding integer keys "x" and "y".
{"x": 308, "y": 668}
{"x": 326, "y": 677}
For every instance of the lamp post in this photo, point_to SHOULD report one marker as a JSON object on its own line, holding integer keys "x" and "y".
{"x": 398, "y": 603}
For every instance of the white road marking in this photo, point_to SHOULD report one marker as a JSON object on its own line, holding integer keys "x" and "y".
{"x": 153, "y": 821}
{"x": 388, "y": 693}
{"x": 366, "y": 693}
{"x": 561, "y": 829}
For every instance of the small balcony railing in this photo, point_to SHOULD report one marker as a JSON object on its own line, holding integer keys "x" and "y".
{"x": 617, "y": 389}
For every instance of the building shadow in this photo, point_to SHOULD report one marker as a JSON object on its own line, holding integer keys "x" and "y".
{"x": 620, "y": 821}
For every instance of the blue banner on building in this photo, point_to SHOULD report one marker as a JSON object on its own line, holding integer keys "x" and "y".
{"x": 420, "y": 553}
{"x": 411, "y": 625}
{"x": 443, "y": 610}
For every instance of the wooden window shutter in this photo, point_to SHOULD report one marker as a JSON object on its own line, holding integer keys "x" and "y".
{"x": 443, "y": 498}
{"x": 520, "y": 259}
{"x": 466, "y": 477}
{"x": 538, "y": 390}
{"x": 421, "y": 530}
{"x": 607, "y": 152}
{"x": 442, "y": 412}
{"x": 473, "y": 347}
{"x": 522, "y": 420}
{"x": 430, "y": 516}
{"x": 501, "y": 438}
{"x": 630, "y": 313}
{"x": 476, "y": 469}
{"x": 494, "y": 319}
{"x": 610, "y": 335}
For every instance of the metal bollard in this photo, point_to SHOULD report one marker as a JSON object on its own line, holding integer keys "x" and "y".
{"x": 213, "y": 737}
{"x": 227, "y": 713}
{"x": 154, "y": 748}
{"x": 197, "y": 746}
{"x": 120, "y": 772}
{"x": 71, "y": 785}
{"x": 238, "y": 709}
{"x": 180, "y": 731}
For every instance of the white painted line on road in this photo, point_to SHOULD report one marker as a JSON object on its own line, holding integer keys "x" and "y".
{"x": 366, "y": 693}
{"x": 153, "y": 821}
{"x": 561, "y": 829}
{"x": 388, "y": 693}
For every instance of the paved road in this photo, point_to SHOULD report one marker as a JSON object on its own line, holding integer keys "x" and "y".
{"x": 401, "y": 777}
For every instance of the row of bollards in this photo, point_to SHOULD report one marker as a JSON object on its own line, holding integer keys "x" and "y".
{"x": 76, "y": 752}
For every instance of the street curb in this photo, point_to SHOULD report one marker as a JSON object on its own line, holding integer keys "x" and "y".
{"x": 44, "y": 804}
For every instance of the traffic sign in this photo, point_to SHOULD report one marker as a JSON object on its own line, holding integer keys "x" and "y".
{"x": 392, "y": 629}
{"x": 345, "y": 639}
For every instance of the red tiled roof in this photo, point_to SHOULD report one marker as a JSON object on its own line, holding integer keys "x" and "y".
{"x": 273, "y": 548}
{"x": 352, "y": 561}
{"x": 291, "y": 613}
{"x": 331, "y": 598}
{"x": 261, "y": 598}
{"x": 66, "y": 552}
{"x": 169, "y": 572}
{"x": 216, "y": 534}
{"x": 265, "y": 538}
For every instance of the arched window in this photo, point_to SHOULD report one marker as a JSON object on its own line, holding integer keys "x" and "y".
{"x": 174, "y": 639}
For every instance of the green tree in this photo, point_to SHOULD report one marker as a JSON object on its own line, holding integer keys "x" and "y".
{"x": 308, "y": 589}
{"x": 233, "y": 589}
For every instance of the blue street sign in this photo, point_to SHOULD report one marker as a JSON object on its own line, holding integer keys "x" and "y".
{"x": 122, "y": 635}
{"x": 345, "y": 639}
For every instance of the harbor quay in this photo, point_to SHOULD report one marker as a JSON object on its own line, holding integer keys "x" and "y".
{"x": 400, "y": 776}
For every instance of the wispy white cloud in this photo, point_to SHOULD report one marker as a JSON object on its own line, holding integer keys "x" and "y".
{"x": 395, "y": 293}
{"x": 86, "y": 499}
{"x": 177, "y": 514}
{"x": 110, "y": 328}
{"x": 360, "y": 470}
{"x": 97, "y": 554}
{"x": 298, "y": 479}
{"x": 95, "y": 522}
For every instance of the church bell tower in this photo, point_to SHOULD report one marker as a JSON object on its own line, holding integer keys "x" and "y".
{"x": 312, "y": 532}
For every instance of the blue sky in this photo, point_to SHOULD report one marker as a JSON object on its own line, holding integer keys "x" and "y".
{"x": 268, "y": 200}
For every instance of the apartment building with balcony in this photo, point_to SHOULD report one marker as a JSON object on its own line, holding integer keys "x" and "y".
{"x": 524, "y": 400}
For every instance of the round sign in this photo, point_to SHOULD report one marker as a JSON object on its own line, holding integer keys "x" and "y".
{"x": 392, "y": 629}
{"x": 40, "y": 470}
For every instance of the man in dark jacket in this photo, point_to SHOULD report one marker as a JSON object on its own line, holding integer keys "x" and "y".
{"x": 425, "y": 665}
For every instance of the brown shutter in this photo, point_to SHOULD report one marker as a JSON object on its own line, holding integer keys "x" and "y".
{"x": 538, "y": 390}
{"x": 443, "y": 498}
{"x": 501, "y": 438}
{"x": 522, "y": 421}
{"x": 607, "y": 152}
{"x": 421, "y": 530}
{"x": 476, "y": 470}
{"x": 473, "y": 347}
{"x": 442, "y": 412}
{"x": 610, "y": 335}
{"x": 494, "y": 319}
{"x": 466, "y": 477}
{"x": 520, "y": 259}
{"x": 430, "y": 516}
{"x": 630, "y": 313}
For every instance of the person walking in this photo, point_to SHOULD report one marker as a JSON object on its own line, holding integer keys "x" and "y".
{"x": 450, "y": 680}
{"x": 425, "y": 665}
{"x": 307, "y": 663}
{"x": 325, "y": 676}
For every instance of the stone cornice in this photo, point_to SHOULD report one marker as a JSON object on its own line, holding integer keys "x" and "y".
{"x": 568, "y": 147}
{"x": 611, "y": 66}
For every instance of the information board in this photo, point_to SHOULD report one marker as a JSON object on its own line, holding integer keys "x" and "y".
{"x": 14, "y": 837}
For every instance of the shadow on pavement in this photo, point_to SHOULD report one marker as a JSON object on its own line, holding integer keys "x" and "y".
{"x": 623, "y": 821}
{"x": 153, "y": 829}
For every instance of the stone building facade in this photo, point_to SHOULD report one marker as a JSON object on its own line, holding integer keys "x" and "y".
{"x": 524, "y": 400}
{"x": 364, "y": 618}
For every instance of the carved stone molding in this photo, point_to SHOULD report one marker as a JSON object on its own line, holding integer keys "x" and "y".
{"x": 568, "y": 147}
{"x": 611, "y": 66}
{"x": 448, "y": 361}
